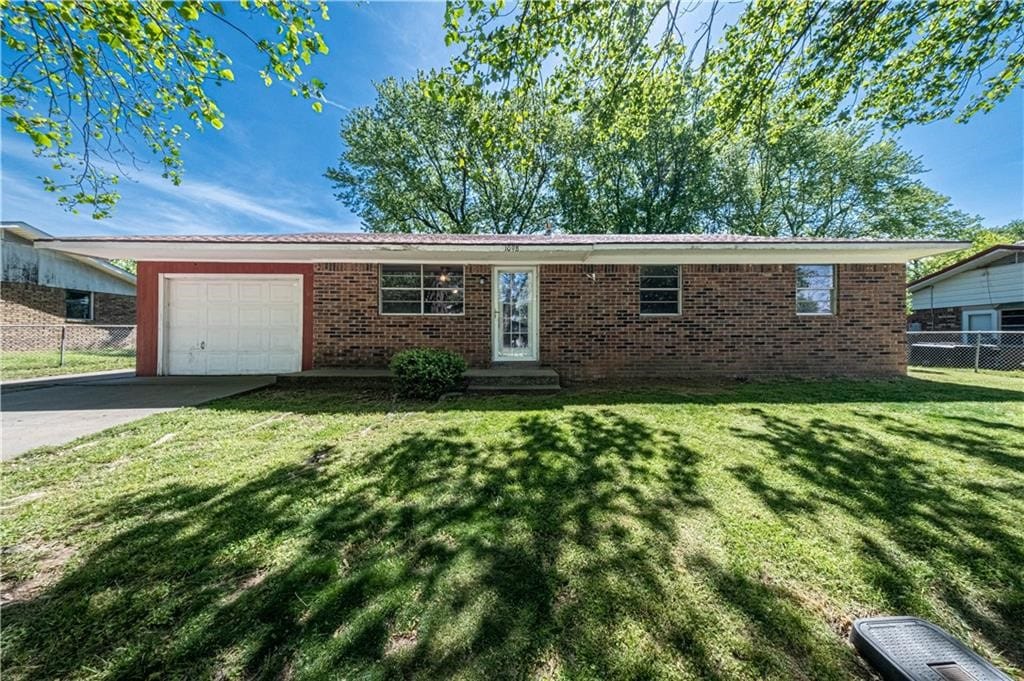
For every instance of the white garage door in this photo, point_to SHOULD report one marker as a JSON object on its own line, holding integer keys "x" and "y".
{"x": 233, "y": 325}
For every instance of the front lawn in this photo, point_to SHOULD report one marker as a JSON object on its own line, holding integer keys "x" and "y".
{"x": 720, "y": 533}
{"x": 38, "y": 363}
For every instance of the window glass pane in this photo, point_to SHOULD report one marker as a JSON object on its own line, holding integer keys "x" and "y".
{"x": 659, "y": 282}
{"x": 400, "y": 308}
{"x": 1013, "y": 320}
{"x": 399, "y": 295}
{"x": 400, "y": 276}
{"x": 77, "y": 304}
{"x": 814, "y": 301}
{"x": 659, "y": 308}
{"x": 659, "y": 271}
{"x": 442, "y": 276}
{"x": 443, "y": 301}
{"x": 814, "y": 276}
{"x": 655, "y": 296}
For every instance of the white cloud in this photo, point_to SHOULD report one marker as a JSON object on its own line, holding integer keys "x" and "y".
{"x": 151, "y": 204}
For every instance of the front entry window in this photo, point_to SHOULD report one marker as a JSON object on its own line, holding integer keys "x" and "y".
{"x": 515, "y": 327}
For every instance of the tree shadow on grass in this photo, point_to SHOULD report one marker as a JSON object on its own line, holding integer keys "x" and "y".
{"x": 911, "y": 513}
{"x": 435, "y": 556}
{"x": 369, "y": 397}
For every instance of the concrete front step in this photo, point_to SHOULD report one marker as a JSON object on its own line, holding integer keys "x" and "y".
{"x": 513, "y": 388}
{"x": 508, "y": 378}
{"x": 512, "y": 377}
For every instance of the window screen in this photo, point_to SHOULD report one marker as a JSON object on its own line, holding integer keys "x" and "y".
{"x": 659, "y": 289}
{"x": 815, "y": 289}
{"x": 422, "y": 289}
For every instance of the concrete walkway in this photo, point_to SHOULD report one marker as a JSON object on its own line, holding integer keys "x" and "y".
{"x": 54, "y": 411}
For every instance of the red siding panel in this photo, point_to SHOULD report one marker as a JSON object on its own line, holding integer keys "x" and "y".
{"x": 148, "y": 297}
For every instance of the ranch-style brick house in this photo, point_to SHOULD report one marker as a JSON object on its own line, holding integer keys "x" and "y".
{"x": 588, "y": 306}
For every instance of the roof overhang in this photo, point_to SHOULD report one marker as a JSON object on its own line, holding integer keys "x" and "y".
{"x": 974, "y": 262}
{"x": 40, "y": 239}
{"x": 776, "y": 252}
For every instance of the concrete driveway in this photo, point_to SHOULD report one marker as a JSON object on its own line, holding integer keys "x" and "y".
{"x": 55, "y": 411}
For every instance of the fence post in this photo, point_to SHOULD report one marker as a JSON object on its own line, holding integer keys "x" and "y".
{"x": 977, "y": 351}
{"x": 63, "y": 335}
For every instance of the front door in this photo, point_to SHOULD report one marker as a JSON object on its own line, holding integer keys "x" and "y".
{"x": 515, "y": 314}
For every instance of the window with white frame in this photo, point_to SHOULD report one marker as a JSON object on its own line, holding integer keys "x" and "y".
{"x": 816, "y": 289}
{"x": 78, "y": 305}
{"x": 659, "y": 289}
{"x": 422, "y": 289}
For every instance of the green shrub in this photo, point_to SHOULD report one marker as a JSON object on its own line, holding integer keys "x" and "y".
{"x": 427, "y": 373}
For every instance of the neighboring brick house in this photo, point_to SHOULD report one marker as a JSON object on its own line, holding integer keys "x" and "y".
{"x": 984, "y": 292}
{"x": 590, "y": 307}
{"x": 47, "y": 288}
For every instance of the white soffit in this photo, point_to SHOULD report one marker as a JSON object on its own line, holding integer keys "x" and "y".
{"x": 597, "y": 254}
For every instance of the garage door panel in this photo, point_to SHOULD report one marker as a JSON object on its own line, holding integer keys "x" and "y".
{"x": 184, "y": 339}
{"x": 238, "y": 326}
{"x": 282, "y": 342}
{"x": 284, "y": 293}
{"x": 222, "y": 340}
{"x": 281, "y": 363}
{"x": 253, "y": 340}
{"x": 252, "y": 292}
{"x": 252, "y": 315}
{"x": 187, "y": 363}
{"x": 188, "y": 291}
{"x": 219, "y": 292}
{"x": 222, "y": 315}
{"x": 222, "y": 363}
{"x": 179, "y": 315}
{"x": 283, "y": 316}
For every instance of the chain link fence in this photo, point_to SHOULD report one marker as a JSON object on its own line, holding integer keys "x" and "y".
{"x": 1000, "y": 350}
{"x": 29, "y": 350}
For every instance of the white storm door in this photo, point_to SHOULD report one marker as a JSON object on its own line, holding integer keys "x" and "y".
{"x": 515, "y": 329}
{"x": 233, "y": 325}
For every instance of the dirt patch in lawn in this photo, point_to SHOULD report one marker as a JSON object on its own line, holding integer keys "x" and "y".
{"x": 248, "y": 583}
{"x": 399, "y": 643}
{"x": 49, "y": 565}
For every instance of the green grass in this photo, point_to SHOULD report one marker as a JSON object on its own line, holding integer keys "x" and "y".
{"x": 34, "y": 364}
{"x": 720, "y": 533}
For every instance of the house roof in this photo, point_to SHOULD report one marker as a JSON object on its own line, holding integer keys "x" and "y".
{"x": 478, "y": 239}
{"x": 979, "y": 259}
{"x": 498, "y": 248}
{"x": 36, "y": 235}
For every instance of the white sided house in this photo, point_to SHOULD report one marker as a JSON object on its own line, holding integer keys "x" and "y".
{"x": 984, "y": 292}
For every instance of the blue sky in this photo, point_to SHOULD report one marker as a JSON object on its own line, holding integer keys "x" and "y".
{"x": 264, "y": 171}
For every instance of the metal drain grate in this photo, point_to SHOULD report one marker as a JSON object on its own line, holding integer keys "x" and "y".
{"x": 951, "y": 671}
{"x": 911, "y": 649}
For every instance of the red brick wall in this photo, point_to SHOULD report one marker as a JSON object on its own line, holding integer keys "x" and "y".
{"x": 737, "y": 320}
{"x": 22, "y": 303}
{"x": 938, "y": 319}
{"x": 349, "y": 330}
